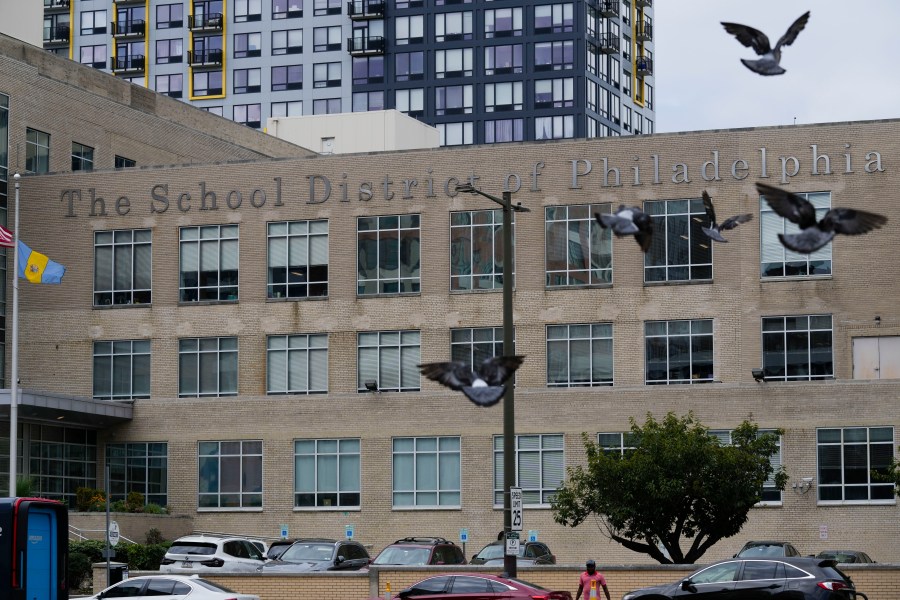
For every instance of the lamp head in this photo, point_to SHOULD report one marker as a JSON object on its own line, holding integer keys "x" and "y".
{"x": 758, "y": 375}
{"x": 371, "y": 385}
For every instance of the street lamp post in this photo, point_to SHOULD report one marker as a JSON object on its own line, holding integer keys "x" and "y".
{"x": 509, "y": 426}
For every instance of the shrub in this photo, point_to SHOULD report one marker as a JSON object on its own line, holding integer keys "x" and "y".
{"x": 118, "y": 506}
{"x": 156, "y": 509}
{"x": 154, "y": 536}
{"x": 83, "y": 497}
{"x": 134, "y": 502}
{"x": 25, "y": 487}
{"x": 79, "y": 570}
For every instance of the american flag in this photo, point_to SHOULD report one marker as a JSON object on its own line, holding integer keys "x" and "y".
{"x": 6, "y": 237}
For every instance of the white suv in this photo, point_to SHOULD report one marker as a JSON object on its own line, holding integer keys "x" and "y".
{"x": 196, "y": 553}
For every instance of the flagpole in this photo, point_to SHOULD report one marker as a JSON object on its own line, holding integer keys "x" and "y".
{"x": 14, "y": 385}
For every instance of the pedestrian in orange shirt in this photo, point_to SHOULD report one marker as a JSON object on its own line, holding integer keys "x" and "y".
{"x": 589, "y": 582}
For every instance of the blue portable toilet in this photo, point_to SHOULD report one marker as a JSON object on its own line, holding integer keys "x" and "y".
{"x": 34, "y": 548}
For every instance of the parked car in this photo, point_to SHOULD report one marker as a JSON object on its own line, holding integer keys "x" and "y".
{"x": 319, "y": 555}
{"x": 421, "y": 551}
{"x": 170, "y": 586}
{"x": 277, "y": 547}
{"x": 803, "y": 578}
{"x": 754, "y": 549}
{"x": 846, "y": 556}
{"x": 530, "y": 553}
{"x": 461, "y": 586}
{"x": 223, "y": 554}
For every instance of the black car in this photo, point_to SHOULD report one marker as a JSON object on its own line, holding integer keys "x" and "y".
{"x": 530, "y": 553}
{"x": 278, "y": 547}
{"x": 412, "y": 551}
{"x": 846, "y": 556}
{"x": 758, "y": 549}
{"x": 758, "y": 579}
{"x": 319, "y": 555}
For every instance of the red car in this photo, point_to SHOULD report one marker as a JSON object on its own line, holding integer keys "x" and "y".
{"x": 478, "y": 586}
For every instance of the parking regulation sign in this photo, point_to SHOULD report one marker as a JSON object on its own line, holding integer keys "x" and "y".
{"x": 515, "y": 506}
{"x": 512, "y": 543}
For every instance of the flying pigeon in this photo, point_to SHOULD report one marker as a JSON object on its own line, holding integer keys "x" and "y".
{"x": 715, "y": 229}
{"x": 483, "y": 386}
{"x": 756, "y": 39}
{"x": 629, "y": 220}
{"x": 815, "y": 234}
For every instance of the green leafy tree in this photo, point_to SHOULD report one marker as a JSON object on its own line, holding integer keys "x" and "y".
{"x": 892, "y": 474}
{"x": 677, "y": 483}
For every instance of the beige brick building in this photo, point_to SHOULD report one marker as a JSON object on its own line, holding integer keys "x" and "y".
{"x": 218, "y": 323}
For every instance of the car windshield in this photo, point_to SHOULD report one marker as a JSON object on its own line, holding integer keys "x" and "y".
{"x": 199, "y": 549}
{"x": 841, "y": 557}
{"x": 763, "y": 550}
{"x": 495, "y": 551}
{"x": 403, "y": 555}
{"x": 300, "y": 552}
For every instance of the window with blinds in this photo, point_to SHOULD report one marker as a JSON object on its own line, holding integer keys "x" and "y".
{"x": 540, "y": 467}
{"x": 778, "y": 261}
{"x": 297, "y": 364}
{"x": 297, "y": 259}
{"x": 208, "y": 263}
{"x": 122, "y": 267}
{"x": 390, "y": 359}
{"x": 426, "y": 472}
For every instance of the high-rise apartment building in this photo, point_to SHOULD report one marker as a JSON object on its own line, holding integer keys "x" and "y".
{"x": 481, "y": 72}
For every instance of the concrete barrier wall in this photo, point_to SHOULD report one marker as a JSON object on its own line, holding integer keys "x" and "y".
{"x": 878, "y": 582}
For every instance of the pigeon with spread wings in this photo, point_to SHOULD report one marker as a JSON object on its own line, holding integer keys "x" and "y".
{"x": 629, "y": 220}
{"x": 770, "y": 58}
{"x": 814, "y": 234}
{"x": 715, "y": 229}
{"x": 484, "y": 385}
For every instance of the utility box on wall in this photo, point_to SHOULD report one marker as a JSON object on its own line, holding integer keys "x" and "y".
{"x": 34, "y": 548}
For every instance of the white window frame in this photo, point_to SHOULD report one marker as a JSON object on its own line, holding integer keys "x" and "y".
{"x": 314, "y": 460}
{"x": 224, "y": 352}
{"x": 301, "y": 248}
{"x": 297, "y": 364}
{"x": 125, "y": 280}
{"x": 560, "y": 229}
{"x": 724, "y": 436}
{"x": 696, "y": 329}
{"x": 818, "y": 264}
{"x": 390, "y": 358}
{"x": 412, "y": 455}
{"x": 250, "y": 496}
{"x": 222, "y": 241}
{"x": 487, "y": 227}
{"x": 887, "y": 450}
{"x": 550, "y": 452}
{"x": 117, "y": 361}
{"x": 784, "y": 332}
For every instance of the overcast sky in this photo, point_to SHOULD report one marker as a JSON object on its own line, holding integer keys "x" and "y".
{"x": 845, "y": 66}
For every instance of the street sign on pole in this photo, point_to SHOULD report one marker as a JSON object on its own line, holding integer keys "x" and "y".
{"x": 515, "y": 507}
{"x": 348, "y": 531}
{"x": 464, "y": 535}
{"x": 512, "y": 543}
{"x": 113, "y": 533}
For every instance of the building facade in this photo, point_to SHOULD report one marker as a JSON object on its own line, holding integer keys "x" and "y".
{"x": 505, "y": 72}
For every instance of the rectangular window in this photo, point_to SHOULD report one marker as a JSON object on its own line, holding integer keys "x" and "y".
{"x": 409, "y": 66}
{"x": 366, "y": 101}
{"x": 554, "y": 18}
{"x": 502, "y": 60}
{"x": 287, "y": 9}
{"x": 122, "y": 370}
{"x": 476, "y": 250}
{"x": 248, "y": 114}
{"x": 848, "y": 457}
{"x": 230, "y": 474}
{"x": 93, "y": 21}
{"x": 368, "y": 69}
{"x": 247, "y": 45}
{"x": 209, "y": 263}
{"x": 540, "y": 468}
{"x": 453, "y": 26}
{"x": 778, "y": 261}
{"x": 139, "y": 467}
{"x": 327, "y": 473}
{"x": 94, "y": 56}
{"x": 502, "y": 22}
{"x": 504, "y": 130}
{"x": 409, "y": 30}
{"x": 298, "y": 259}
{"x": 455, "y": 134}
{"x": 411, "y": 101}
{"x": 554, "y": 93}
{"x": 500, "y": 97}
{"x": 289, "y": 41}
{"x": 554, "y": 56}
{"x": 578, "y": 250}
{"x": 474, "y": 345}
{"x": 770, "y": 493}
{"x": 389, "y": 359}
{"x": 326, "y": 106}
{"x": 293, "y": 108}
{"x": 287, "y": 77}
{"x": 388, "y": 255}
{"x": 453, "y": 99}
{"x": 123, "y": 163}
{"x": 208, "y": 83}
{"x": 297, "y": 364}
{"x": 170, "y": 85}
{"x": 680, "y": 251}
{"x": 458, "y": 62}
{"x": 247, "y": 10}
{"x": 207, "y": 367}
{"x": 426, "y": 472}
{"x": 617, "y": 444}
{"x": 169, "y": 51}
{"x": 327, "y": 75}
{"x": 170, "y": 16}
{"x": 122, "y": 267}
{"x": 82, "y": 157}
{"x": 327, "y": 7}
{"x": 797, "y": 347}
{"x": 579, "y": 355}
{"x": 326, "y": 39}
{"x": 554, "y": 128}
{"x": 247, "y": 81}
{"x": 679, "y": 351}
